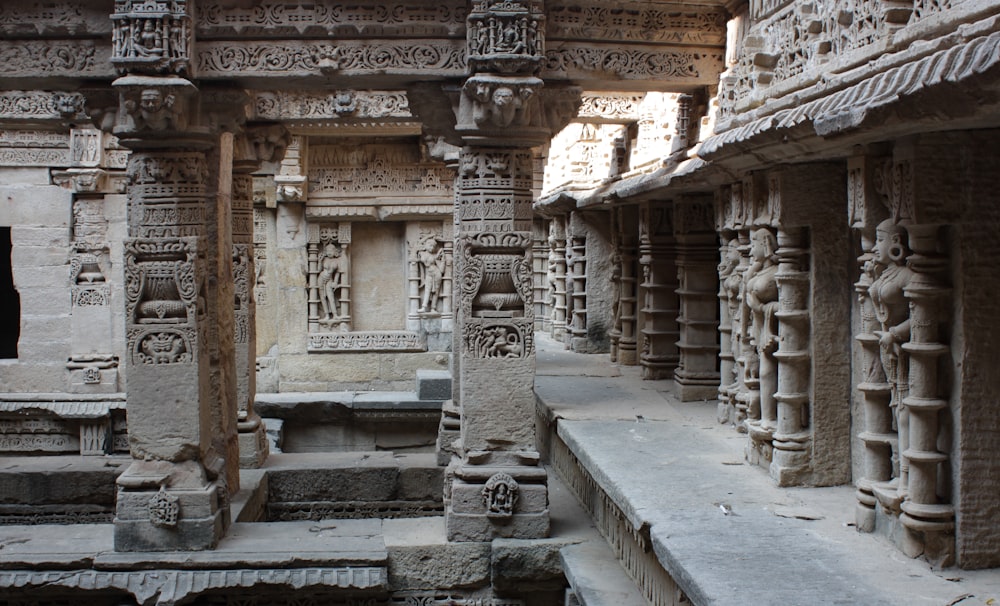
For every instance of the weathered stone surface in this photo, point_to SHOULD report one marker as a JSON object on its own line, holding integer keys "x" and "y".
{"x": 527, "y": 565}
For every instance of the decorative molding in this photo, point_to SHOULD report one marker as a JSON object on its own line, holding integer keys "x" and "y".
{"x": 29, "y": 19}
{"x": 298, "y": 106}
{"x": 694, "y": 66}
{"x": 306, "y": 57}
{"x": 72, "y": 59}
{"x": 39, "y": 105}
{"x": 393, "y": 18}
{"x": 377, "y": 340}
{"x": 643, "y": 23}
{"x": 617, "y": 106}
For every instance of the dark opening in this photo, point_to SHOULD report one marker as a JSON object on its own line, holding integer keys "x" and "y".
{"x": 10, "y": 301}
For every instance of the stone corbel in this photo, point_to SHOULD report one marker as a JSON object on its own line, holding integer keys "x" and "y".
{"x": 82, "y": 180}
{"x": 151, "y": 107}
{"x": 502, "y": 107}
{"x": 292, "y": 183}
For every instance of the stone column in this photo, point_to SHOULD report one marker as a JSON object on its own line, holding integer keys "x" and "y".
{"x": 557, "y": 276}
{"x": 865, "y": 211}
{"x": 178, "y": 291}
{"x": 696, "y": 375}
{"x": 657, "y": 257}
{"x": 256, "y": 145}
{"x": 628, "y": 244}
{"x": 728, "y": 293}
{"x": 174, "y": 495}
{"x": 497, "y": 487}
{"x": 539, "y": 260}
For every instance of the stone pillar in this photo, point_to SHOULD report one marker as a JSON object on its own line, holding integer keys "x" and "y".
{"x": 557, "y": 276}
{"x": 497, "y": 487}
{"x": 257, "y": 145}
{"x": 178, "y": 291}
{"x": 657, "y": 257}
{"x": 576, "y": 283}
{"x": 877, "y": 436}
{"x": 928, "y": 518}
{"x": 539, "y": 260}
{"x": 811, "y": 440}
{"x": 174, "y": 495}
{"x": 696, "y": 375}
{"x": 628, "y": 244}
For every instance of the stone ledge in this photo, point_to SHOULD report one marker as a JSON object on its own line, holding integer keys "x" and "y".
{"x": 715, "y": 526}
{"x": 596, "y": 577}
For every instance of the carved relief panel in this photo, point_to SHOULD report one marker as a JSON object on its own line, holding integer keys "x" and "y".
{"x": 329, "y": 259}
{"x": 151, "y": 36}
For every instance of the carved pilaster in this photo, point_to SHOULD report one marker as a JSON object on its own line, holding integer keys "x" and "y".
{"x": 928, "y": 518}
{"x": 576, "y": 284}
{"x": 696, "y": 375}
{"x": 178, "y": 320}
{"x": 657, "y": 257}
{"x": 557, "y": 277}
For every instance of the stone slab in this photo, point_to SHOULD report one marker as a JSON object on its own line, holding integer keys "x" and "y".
{"x": 596, "y": 576}
{"x": 433, "y": 384}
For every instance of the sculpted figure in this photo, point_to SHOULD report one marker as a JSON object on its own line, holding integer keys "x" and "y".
{"x": 731, "y": 281}
{"x": 331, "y": 279}
{"x": 430, "y": 267}
{"x": 155, "y": 111}
{"x": 892, "y": 312}
{"x": 146, "y": 42}
{"x": 501, "y": 108}
{"x": 760, "y": 296}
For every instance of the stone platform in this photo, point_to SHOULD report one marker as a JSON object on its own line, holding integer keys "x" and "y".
{"x": 668, "y": 486}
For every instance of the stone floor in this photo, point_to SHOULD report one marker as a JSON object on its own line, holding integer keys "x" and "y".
{"x": 718, "y": 526}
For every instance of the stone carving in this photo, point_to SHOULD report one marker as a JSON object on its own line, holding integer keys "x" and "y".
{"x": 328, "y": 251}
{"x": 391, "y": 19}
{"x": 222, "y": 59}
{"x": 153, "y": 109}
{"x": 306, "y": 105}
{"x": 620, "y": 106}
{"x": 151, "y": 36}
{"x": 166, "y": 194}
{"x": 241, "y": 289}
{"x": 367, "y": 341}
{"x": 163, "y": 509}
{"x": 640, "y": 23}
{"x": 375, "y": 168}
{"x": 505, "y": 36}
{"x": 503, "y": 102}
{"x": 889, "y": 276}
{"x": 332, "y": 276}
{"x": 489, "y": 340}
{"x": 52, "y": 58}
{"x": 760, "y": 298}
{"x": 260, "y": 293}
{"x": 37, "y": 105}
{"x": 500, "y": 495}
{"x": 431, "y": 263}
{"x": 627, "y": 64}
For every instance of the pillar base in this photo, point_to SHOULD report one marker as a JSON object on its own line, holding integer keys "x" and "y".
{"x": 254, "y": 448}
{"x": 165, "y": 506}
{"x": 489, "y": 502}
{"x": 931, "y": 536}
{"x": 790, "y": 462}
{"x": 693, "y": 389}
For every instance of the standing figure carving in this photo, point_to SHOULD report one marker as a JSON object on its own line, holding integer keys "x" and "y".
{"x": 431, "y": 268}
{"x": 731, "y": 281}
{"x": 760, "y": 297}
{"x": 331, "y": 279}
{"x": 892, "y": 312}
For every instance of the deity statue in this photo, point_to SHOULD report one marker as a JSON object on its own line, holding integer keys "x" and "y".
{"x": 760, "y": 298}
{"x": 731, "y": 281}
{"x": 892, "y": 312}
{"x": 333, "y": 268}
{"x": 430, "y": 267}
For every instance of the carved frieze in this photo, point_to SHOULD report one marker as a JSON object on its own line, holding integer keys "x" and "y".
{"x": 632, "y": 64}
{"x": 375, "y": 169}
{"x": 296, "y": 58}
{"x": 28, "y": 19}
{"x": 67, "y": 58}
{"x": 611, "y": 106}
{"x": 640, "y": 22}
{"x": 367, "y": 341}
{"x": 39, "y": 105}
{"x": 34, "y": 148}
{"x": 296, "y": 106}
{"x": 334, "y": 19}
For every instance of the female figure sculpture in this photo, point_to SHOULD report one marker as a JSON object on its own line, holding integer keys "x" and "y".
{"x": 892, "y": 312}
{"x": 331, "y": 279}
{"x": 760, "y": 298}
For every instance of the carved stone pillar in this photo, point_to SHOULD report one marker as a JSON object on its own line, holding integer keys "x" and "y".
{"x": 811, "y": 437}
{"x": 628, "y": 244}
{"x": 497, "y": 488}
{"x": 178, "y": 291}
{"x": 728, "y": 293}
{"x": 258, "y": 144}
{"x": 557, "y": 276}
{"x": 878, "y": 435}
{"x": 576, "y": 284}
{"x": 175, "y": 493}
{"x": 928, "y": 518}
{"x": 657, "y": 257}
{"x": 539, "y": 260}
{"x": 696, "y": 375}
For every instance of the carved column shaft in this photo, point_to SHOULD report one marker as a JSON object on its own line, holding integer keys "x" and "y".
{"x": 657, "y": 257}
{"x": 923, "y": 509}
{"x": 791, "y": 436}
{"x": 628, "y": 295}
{"x": 727, "y": 357}
{"x": 557, "y": 271}
{"x": 696, "y": 375}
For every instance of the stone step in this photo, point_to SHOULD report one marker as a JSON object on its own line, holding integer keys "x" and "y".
{"x": 596, "y": 578}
